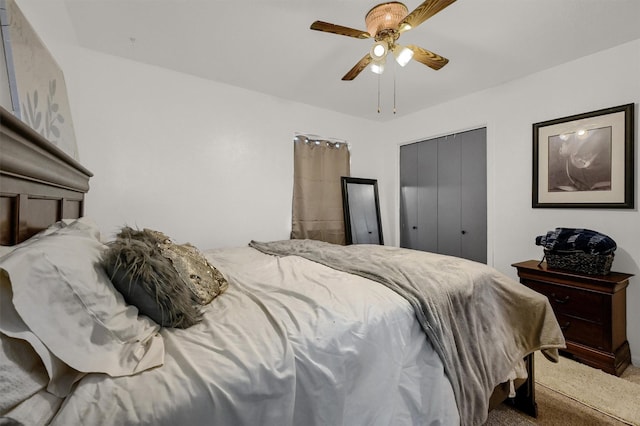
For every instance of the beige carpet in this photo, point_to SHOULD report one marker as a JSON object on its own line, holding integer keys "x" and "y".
{"x": 570, "y": 393}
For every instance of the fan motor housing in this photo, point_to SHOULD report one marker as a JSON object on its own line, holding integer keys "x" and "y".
{"x": 385, "y": 17}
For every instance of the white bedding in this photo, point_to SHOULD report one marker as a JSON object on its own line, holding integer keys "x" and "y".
{"x": 291, "y": 342}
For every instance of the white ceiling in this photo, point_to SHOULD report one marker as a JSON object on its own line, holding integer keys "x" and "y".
{"x": 266, "y": 45}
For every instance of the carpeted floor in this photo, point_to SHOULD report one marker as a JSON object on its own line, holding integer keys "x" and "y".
{"x": 573, "y": 394}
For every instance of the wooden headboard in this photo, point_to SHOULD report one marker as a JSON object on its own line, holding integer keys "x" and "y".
{"x": 39, "y": 183}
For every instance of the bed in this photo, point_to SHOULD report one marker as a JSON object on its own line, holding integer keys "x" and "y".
{"x": 304, "y": 333}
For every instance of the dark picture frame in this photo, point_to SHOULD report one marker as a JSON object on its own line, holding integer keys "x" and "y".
{"x": 361, "y": 207}
{"x": 585, "y": 160}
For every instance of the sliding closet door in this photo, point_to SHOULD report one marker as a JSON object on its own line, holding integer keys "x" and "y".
{"x": 443, "y": 195}
{"x": 427, "y": 192}
{"x": 473, "y": 194}
{"x": 418, "y": 196}
{"x": 409, "y": 196}
{"x": 448, "y": 199}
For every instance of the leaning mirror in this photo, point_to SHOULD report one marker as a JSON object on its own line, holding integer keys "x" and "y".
{"x": 361, "y": 211}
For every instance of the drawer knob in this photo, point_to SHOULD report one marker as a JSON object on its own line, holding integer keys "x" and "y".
{"x": 561, "y": 301}
{"x": 565, "y": 326}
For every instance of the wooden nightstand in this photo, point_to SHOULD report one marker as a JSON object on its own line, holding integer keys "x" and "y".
{"x": 591, "y": 310}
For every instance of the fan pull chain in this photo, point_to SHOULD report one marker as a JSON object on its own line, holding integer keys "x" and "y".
{"x": 394, "y": 89}
{"x": 378, "y": 93}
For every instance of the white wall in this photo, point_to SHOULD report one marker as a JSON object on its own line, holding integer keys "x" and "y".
{"x": 204, "y": 162}
{"x": 606, "y": 79}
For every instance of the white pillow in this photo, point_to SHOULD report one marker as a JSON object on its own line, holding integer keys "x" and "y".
{"x": 65, "y": 298}
{"x": 5, "y": 250}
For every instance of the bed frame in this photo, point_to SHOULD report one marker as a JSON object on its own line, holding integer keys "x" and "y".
{"x": 40, "y": 184}
{"x": 525, "y": 399}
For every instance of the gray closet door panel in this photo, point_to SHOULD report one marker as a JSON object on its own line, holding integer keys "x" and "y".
{"x": 427, "y": 196}
{"x": 408, "y": 195}
{"x": 443, "y": 195}
{"x": 449, "y": 203}
{"x": 474, "y": 195}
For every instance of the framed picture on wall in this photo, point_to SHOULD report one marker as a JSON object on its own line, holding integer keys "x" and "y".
{"x": 585, "y": 160}
{"x": 36, "y": 83}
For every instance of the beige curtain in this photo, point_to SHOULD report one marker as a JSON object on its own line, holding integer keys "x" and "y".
{"x": 317, "y": 192}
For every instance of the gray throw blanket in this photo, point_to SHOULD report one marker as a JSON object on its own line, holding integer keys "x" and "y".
{"x": 479, "y": 321}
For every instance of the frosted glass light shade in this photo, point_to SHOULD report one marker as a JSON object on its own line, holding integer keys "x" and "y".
{"x": 403, "y": 55}
{"x": 379, "y": 50}
{"x": 378, "y": 66}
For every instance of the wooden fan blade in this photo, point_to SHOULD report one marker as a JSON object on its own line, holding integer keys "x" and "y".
{"x": 339, "y": 29}
{"x": 428, "y": 58}
{"x": 423, "y": 12}
{"x": 357, "y": 69}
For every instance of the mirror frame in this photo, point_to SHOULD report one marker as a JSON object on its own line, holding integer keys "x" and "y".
{"x": 346, "y": 181}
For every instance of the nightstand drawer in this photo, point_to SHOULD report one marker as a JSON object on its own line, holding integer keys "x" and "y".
{"x": 580, "y": 331}
{"x": 571, "y": 301}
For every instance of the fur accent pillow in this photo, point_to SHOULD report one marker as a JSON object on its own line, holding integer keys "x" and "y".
{"x": 159, "y": 280}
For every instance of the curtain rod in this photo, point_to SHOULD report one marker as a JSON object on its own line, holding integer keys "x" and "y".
{"x": 317, "y": 138}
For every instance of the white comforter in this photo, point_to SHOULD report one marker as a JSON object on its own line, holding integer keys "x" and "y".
{"x": 291, "y": 342}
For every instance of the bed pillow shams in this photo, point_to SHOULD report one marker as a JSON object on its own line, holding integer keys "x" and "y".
{"x": 64, "y": 297}
{"x": 5, "y": 250}
{"x": 167, "y": 282}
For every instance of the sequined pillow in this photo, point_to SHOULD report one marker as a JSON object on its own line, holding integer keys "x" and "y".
{"x": 167, "y": 282}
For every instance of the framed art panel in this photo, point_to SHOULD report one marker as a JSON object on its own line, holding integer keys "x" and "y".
{"x": 36, "y": 83}
{"x": 585, "y": 160}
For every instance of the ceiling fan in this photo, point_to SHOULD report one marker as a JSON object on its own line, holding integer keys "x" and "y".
{"x": 385, "y": 22}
